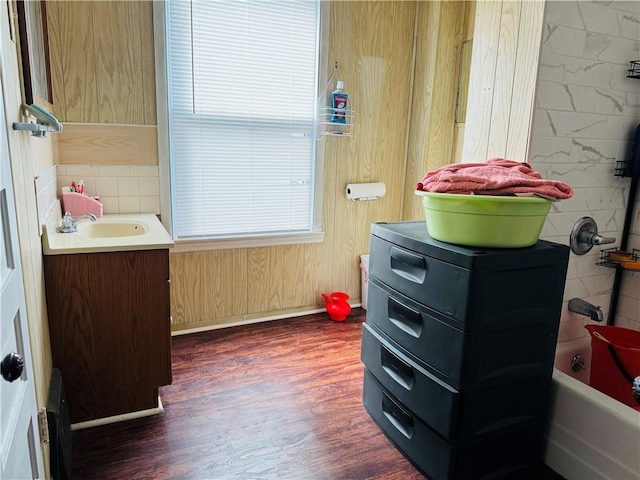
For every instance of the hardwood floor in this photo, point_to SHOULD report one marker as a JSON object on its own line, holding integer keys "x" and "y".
{"x": 277, "y": 400}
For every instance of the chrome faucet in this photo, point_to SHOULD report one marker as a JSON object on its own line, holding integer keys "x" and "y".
{"x": 578, "y": 305}
{"x": 69, "y": 223}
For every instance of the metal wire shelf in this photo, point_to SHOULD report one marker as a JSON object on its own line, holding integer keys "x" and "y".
{"x": 627, "y": 169}
{"x": 615, "y": 258}
{"x": 634, "y": 69}
{"x": 334, "y": 121}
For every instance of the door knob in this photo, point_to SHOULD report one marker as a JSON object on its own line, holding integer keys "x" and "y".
{"x": 12, "y": 366}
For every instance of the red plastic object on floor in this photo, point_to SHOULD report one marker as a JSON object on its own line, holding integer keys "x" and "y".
{"x": 606, "y": 376}
{"x": 337, "y": 306}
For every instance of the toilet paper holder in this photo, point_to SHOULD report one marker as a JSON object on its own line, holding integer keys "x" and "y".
{"x": 365, "y": 191}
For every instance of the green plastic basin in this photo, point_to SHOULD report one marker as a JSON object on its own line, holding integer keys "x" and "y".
{"x": 483, "y": 220}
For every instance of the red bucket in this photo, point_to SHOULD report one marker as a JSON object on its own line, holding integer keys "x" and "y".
{"x": 606, "y": 375}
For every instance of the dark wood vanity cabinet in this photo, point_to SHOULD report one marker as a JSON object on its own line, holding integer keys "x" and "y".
{"x": 458, "y": 350}
{"x": 109, "y": 322}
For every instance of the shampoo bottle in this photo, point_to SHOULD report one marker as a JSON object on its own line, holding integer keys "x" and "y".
{"x": 339, "y": 99}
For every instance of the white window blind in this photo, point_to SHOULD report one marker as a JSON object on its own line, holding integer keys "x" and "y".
{"x": 242, "y": 108}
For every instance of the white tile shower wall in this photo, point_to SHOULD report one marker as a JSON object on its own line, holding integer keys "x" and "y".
{"x": 122, "y": 189}
{"x": 586, "y": 112}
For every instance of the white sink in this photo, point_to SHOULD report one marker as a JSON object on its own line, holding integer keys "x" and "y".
{"x": 109, "y": 230}
{"x": 111, "y": 233}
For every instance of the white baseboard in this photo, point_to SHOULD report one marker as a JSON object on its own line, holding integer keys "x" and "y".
{"x": 119, "y": 418}
{"x": 250, "y": 321}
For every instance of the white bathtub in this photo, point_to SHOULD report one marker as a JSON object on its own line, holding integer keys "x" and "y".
{"x": 590, "y": 435}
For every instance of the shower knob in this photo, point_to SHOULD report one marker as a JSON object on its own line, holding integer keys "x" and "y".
{"x": 584, "y": 236}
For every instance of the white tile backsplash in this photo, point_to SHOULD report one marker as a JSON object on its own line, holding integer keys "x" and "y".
{"x": 122, "y": 189}
{"x": 45, "y": 186}
{"x": 143, "y": 171}
{"x": 627, "y": 6}
{"x": 114, "y": 171}
{"x": 149, "y": 186}
{"x": 561, "y": 13}
{"x": 619, "y": 80}
{"x": 552, "y": 67}
{"x": 557, "y": 96}
{"x": 593, "y": 150}
{"x": 594, "y": 17}
{"x": 609, "y": 102}
{"x": 107, "y": 186}
{"x": 563, "y": 40}
{"x": 631, "y": 23}
{"x": 129, "y": 204}
{"x": 110, "y": 204}
{"x": 545, "y": 122}
{"x": 574, "y": 124}
{"x": 587, "y": 72}
{"x": 81, "y": 171}
{"x": 150, "y": 204}
{"x": 603, "y": 47}
{"x": 128, "y": 186}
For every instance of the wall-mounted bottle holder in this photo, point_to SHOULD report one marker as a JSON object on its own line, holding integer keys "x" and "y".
{"x": 328, "y": 127}
{"x": 335, "y": 121}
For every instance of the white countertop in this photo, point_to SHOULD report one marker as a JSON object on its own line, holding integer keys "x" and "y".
{"x": 154, "y": 238}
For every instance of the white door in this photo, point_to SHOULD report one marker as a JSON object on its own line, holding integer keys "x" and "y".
{"x": 21, "y": 456}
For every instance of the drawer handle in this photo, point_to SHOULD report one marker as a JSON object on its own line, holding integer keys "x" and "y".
{"x": 397, "y": 369}
{"x": 404, "y": 317}
{"x": 408, "y": 265}
{"x": 397, "y": 416}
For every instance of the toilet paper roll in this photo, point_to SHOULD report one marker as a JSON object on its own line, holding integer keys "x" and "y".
{"x": 365, "y": 191}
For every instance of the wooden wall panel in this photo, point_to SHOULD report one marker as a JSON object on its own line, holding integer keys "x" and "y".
{"x": 503, "y": 75}
{"x": 372, "y": 43}
{"x": 427, "y": 17}
{"x": 223, "y": 276}
{"x": 187, "y": 289}
{"x": 525, "y": 77}
{"x": 100, "y": 144}
{"x": 265, "y": 284}
{"x": 73, "y": 61}
{"x": 148, "y": 64}
{"x": 445, "y": 85}
{"x": 440, "y": 30}
{"x": 503, "y": 84}
{"x": 486, "y": 39}
{"x": 102, "y": 58}
{"x": 118, "y": 61}
{"x": 469, "y": 22}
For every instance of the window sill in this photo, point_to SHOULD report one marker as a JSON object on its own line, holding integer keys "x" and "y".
{"x": 206, "y": 244}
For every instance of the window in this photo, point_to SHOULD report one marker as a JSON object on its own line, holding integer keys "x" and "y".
{"x": 242, "y": 88}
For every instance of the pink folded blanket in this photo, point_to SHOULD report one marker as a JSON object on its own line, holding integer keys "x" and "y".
{"x": 495, "y": 177}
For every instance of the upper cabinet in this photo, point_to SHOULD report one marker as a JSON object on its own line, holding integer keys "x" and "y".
{"x": 102, "y": 61}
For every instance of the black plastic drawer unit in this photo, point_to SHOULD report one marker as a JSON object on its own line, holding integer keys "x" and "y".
{"x": 418, "y": 329}
{"x": 491, "y": 457}
{"x": 431, "y": 399}
{"x": 478, "y": 413}
{"x": 458, "y": 349}
{"x": 443, "y": 286}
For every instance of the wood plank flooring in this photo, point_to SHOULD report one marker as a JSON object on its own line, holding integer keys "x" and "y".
{"x": 277, "y": 400}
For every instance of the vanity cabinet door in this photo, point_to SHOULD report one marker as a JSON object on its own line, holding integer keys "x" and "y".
{"x": 110, "y": 329}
